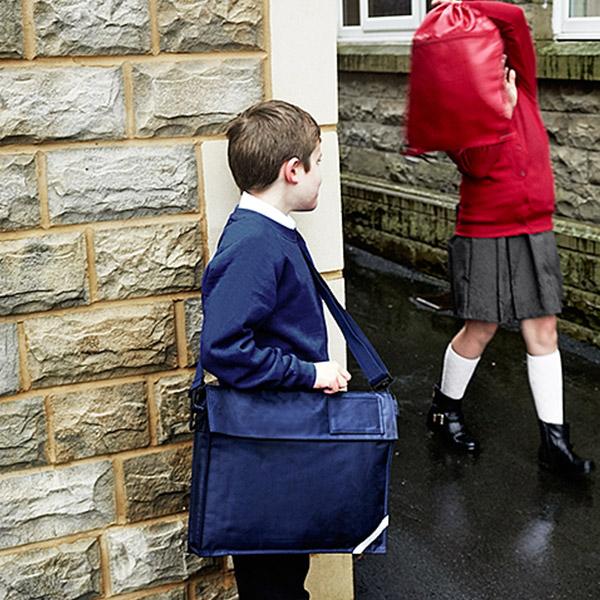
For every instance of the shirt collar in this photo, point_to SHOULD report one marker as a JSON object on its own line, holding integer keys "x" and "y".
{"x": 250, "y": 202}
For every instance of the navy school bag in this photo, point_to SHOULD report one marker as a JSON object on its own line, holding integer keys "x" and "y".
{"x": 283, "y": 472}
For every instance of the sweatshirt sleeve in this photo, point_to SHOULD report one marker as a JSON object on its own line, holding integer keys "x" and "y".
{"x": 239, "y": 293}
{"x": 514, "y": 29}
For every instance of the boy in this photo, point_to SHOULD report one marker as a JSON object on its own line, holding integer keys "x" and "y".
{"x": 503, "y": 259}
{"x": 263, "y": 319}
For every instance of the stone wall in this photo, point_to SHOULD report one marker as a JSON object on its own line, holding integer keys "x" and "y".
{"x": 404, "y": 207}
{"x": 113, "y": 188}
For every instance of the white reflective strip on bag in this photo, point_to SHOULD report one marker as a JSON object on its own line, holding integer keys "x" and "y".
{"x": 365, "y": 544}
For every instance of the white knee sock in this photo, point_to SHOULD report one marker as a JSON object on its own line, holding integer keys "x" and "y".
{"x": 546, "y": 383}
{"x": 456, "y": 373}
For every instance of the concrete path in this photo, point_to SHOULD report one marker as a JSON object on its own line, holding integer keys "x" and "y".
{"x": 488, "y": 528}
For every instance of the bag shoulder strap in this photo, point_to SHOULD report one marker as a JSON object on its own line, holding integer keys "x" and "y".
{"x": 363, "y": 351}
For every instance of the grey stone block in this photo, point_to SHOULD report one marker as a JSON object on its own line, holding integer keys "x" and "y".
{"x": 570, "y": 96}
{"x": 157, "y": 484}
{"x": 190, "y": 98}
{"x": 571, "y": 129}
{"x": 100, "y": 421}
{"x": 580, "y": 271}
{"x": 584, "y": 131}
{"x": 193, "y": 328}
{"x": 71, "y": 27}
{"x": 11, "y": 35}
{"x": 101, "y": 344}
{"x": 175, "y": 594}
{"x": 19, "y": 205}
{"x": 594, "y": 166}
{"x": 580, "y": 203}
{"x": 9, "y": 359}
{"x": 40, "y": 273}
{"x": 384, "y": 111}
{"x": 438, "y": 174}
{"x": 61, "y": 103}
{"x": 148, "y": 260}
{"x": 103, "y": 184}
{"x": 50, "y": 504}
{"x": 373, "y": 85}
{"x": 571, "y": 166}
{"x": 66, "y": 572}
{"x": 210, "y": 25}
{"x": 22, "y": 433}
{"x": 214, "y": 587}
{"x": 173, "y": 408}
{"x": 150, "y": 555}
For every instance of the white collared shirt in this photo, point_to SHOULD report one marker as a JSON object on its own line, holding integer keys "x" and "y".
{"x": 250, "y": 202}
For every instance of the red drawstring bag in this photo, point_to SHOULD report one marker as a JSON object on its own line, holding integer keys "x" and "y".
{"x": 457, "y": 95}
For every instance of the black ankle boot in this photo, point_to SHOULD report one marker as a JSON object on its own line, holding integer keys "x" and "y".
{"x": 445, "y": 418}
{"x": 556, "y": 453}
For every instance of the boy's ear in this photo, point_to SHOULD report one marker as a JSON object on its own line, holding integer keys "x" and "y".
{"x": 291, "y": 169}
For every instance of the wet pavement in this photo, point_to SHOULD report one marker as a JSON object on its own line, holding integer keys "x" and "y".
{"x": 491, "y": 527}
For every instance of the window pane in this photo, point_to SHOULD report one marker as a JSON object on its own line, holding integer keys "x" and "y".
{"x": 389, "y": 8}
{"x": 351, "y": 12}
{"x": 584, "y": 8}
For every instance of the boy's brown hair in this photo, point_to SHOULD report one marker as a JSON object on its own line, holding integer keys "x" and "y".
{"x": 265, "y": 136}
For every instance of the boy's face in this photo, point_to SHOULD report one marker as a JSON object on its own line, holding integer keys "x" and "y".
{"x": 309, "y": 182}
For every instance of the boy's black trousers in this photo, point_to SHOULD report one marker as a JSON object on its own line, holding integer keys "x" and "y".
{"x": 271, "y": 576}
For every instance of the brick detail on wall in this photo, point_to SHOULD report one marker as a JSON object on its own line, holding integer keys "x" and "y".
{"x": 104, "y": 343}
{"x": 100, "y": 420}
{"x": 150, "y": 555}
{"x": 55, "y": 503}
{"x": 80, "y": 27}
{"x": 194, "y": 97}
{"x": 11, "y": 36}
{"x": 210, "y": 25}
{"x": 40, "y": 273}
{"x": 110, "y": 183}
{"x": 61, "y": 103}
{"x": 65, "y": 572}
{"x": 19, "y": 203}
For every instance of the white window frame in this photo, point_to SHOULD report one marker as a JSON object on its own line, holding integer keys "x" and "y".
{"x": 381, "y": 29}
{"x": 573, "y": 28}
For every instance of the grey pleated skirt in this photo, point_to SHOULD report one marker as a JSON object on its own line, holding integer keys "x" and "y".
{"x": 506, "y": 279}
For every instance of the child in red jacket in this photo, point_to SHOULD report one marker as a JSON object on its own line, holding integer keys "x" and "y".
{"x": 503, "y": 259}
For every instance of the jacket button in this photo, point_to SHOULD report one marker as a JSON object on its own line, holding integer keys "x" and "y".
{"x": 522, "y": 173}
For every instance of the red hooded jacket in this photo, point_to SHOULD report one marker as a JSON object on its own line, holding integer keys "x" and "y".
{"x": 508, "y": 188}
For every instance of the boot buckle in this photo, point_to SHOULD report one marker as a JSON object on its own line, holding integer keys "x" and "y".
{"x": 438, "y": 418}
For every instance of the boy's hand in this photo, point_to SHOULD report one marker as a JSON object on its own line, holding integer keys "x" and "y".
{"x": 331, "y": 377}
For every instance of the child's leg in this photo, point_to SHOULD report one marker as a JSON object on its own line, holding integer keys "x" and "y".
{"x": 462, "y": 355}
{"x": 271, "y": 576}
{"x": 544, "y": 370}
{"x": 445, "y": 416}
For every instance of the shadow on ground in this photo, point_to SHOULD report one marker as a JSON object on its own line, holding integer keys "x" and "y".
{"x": 494, "y": 527}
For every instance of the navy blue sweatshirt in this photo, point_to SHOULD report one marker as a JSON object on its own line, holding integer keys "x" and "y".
{"x": 263, "y": 319}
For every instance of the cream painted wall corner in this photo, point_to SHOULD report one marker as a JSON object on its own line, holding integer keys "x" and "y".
{"x": 328, "y": 578}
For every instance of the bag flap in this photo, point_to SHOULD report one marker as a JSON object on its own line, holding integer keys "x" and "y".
{"x": 301, "y": 415}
